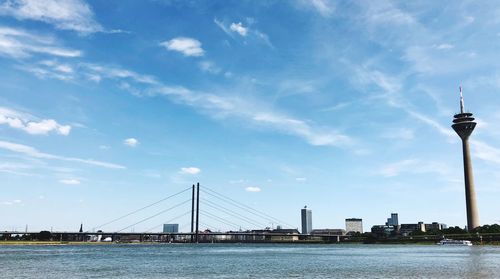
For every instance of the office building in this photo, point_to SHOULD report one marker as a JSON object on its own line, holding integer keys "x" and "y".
{"x": 435, "y": 226}
{"x": 393, "y": 221}
{"x": 353, "y": 225}
{"x": 406, "y": 229}
{"x": 306, "y": 217}
{"x": 170, "y": 228}
{"x": 328, "y": 232}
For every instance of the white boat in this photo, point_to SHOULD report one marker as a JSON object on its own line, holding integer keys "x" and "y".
{"x": 455, "y": 242}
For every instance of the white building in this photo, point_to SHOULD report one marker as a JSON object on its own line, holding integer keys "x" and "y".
{"x": 353, "y": 225}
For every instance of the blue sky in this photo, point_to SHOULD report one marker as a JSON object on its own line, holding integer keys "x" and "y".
{"x": 107, "y": 106}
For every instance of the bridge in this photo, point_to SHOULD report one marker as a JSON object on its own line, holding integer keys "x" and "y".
{"x": 208, "y": 208}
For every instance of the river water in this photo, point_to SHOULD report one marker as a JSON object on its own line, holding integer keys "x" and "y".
{"x": 249, "y": 261}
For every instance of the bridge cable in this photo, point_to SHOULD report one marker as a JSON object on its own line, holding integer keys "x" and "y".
{"x": 140, "y": 209}
{"x": 159, "y": 213}
{"x": 166, "y": 222}
{"x": 244, "y": 207}
{"x": 236, "y": 215}
{"x": 219, "y": 219}
{"x": 212, "y": 228}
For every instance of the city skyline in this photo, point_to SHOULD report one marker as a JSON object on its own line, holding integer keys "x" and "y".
{"x": 345, "y": 107}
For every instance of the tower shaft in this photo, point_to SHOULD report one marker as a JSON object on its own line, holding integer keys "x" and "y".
{"x": 470, "y": 191}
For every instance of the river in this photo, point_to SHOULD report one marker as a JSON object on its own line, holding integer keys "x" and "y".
{"x": 249, "y": 261}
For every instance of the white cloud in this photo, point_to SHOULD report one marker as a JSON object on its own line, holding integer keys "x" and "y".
{"x": 223, "y": 27}
{"x": 190, "y": 170}
{"x": 70, "y": 181}
{"x": 31, "y": 124}
{"x": 32, "y": 152}
{"x": 324, "y": 7}
{"x": 252, "y": 189}
{"x": 385, "y": 12}
{"x": 392, "y": 87}
{"x": 13, "y": 202}
{"x": 56, "y": 66}
{"x": 131, "y": 142}
{"x": 97, "y": 72}
{"x": 485, "y": 152}
{"x": 244, "y": 31}
{"x": 18, "y": 43}
{"x": 444, "y": 46}
{"x": 222, "y": 107}
{"x": 209, "y": 67}
{"x": 73, "y": 15}
{"x": 302, "y": 129}
{"x": 469, "y": 19}
{"x": 238, "y": 181}
{"x": 301, "y": 179}
{"x": 187, "y": 46}
{"x": 436, "y": 125}
{"x": 401, "y": 133}
{"x": 413, "y": 166}
{"x": 15, "y": 168}
{"x": 395, "y": 168}
{"x": 239, "y": 28}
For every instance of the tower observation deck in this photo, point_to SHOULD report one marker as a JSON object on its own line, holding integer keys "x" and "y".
{"x": 463, "y": 124}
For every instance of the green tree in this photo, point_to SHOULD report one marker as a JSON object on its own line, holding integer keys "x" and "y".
{"x": 454, "y": 230}
{"x": 44, "y": 235}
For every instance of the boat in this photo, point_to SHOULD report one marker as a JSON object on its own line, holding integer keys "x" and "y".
{"x": 454, "y": 242}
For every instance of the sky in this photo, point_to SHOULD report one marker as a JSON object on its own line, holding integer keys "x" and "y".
{"x": 343, "y": 107}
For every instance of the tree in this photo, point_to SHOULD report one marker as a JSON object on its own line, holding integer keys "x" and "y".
{"x": 454, "y": 230}
{"x": 44, "y": 235}
{"x": 495, "y": 228}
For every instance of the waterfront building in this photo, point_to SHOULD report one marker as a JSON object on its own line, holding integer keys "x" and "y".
{"x": 393, "y": 220}
{"x": 435, "y": 226}
{"x": 406, "y": 229}
{"x": 170, "y": 228}
{"x": 306, "y": 218}
{"x": 382, "y": 230}
{"x": 273, "y": 235}
{"x": 353, "y": 225}
{"x": 328, "y": 232}
{"x": 463, "y": 124}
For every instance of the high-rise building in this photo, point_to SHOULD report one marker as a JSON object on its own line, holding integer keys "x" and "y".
{"x": 306, "y": 216}
{"x": 393, "y": 221}
{"x": 170, "y": 228}
{"x": 463, "y": 124}
{"x": 354, "y": 225}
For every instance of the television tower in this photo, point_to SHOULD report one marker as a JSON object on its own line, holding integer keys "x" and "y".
{"x": 463, "y": 124}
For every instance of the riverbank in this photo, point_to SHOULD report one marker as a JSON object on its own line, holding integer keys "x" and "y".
{"x": 51, "y": 243}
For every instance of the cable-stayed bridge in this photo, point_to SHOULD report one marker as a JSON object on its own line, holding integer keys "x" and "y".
{"x": 204, "y": 215}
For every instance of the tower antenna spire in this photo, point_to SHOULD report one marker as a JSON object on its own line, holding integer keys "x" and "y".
{"x": 461, "y": 100}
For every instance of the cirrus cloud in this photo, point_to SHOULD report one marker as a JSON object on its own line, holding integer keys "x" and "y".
{"x": 18, "y": 43}
{"x": 34, "y": 153}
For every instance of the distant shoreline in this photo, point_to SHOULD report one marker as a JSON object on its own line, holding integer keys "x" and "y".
{"x": 76, "y": 243}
